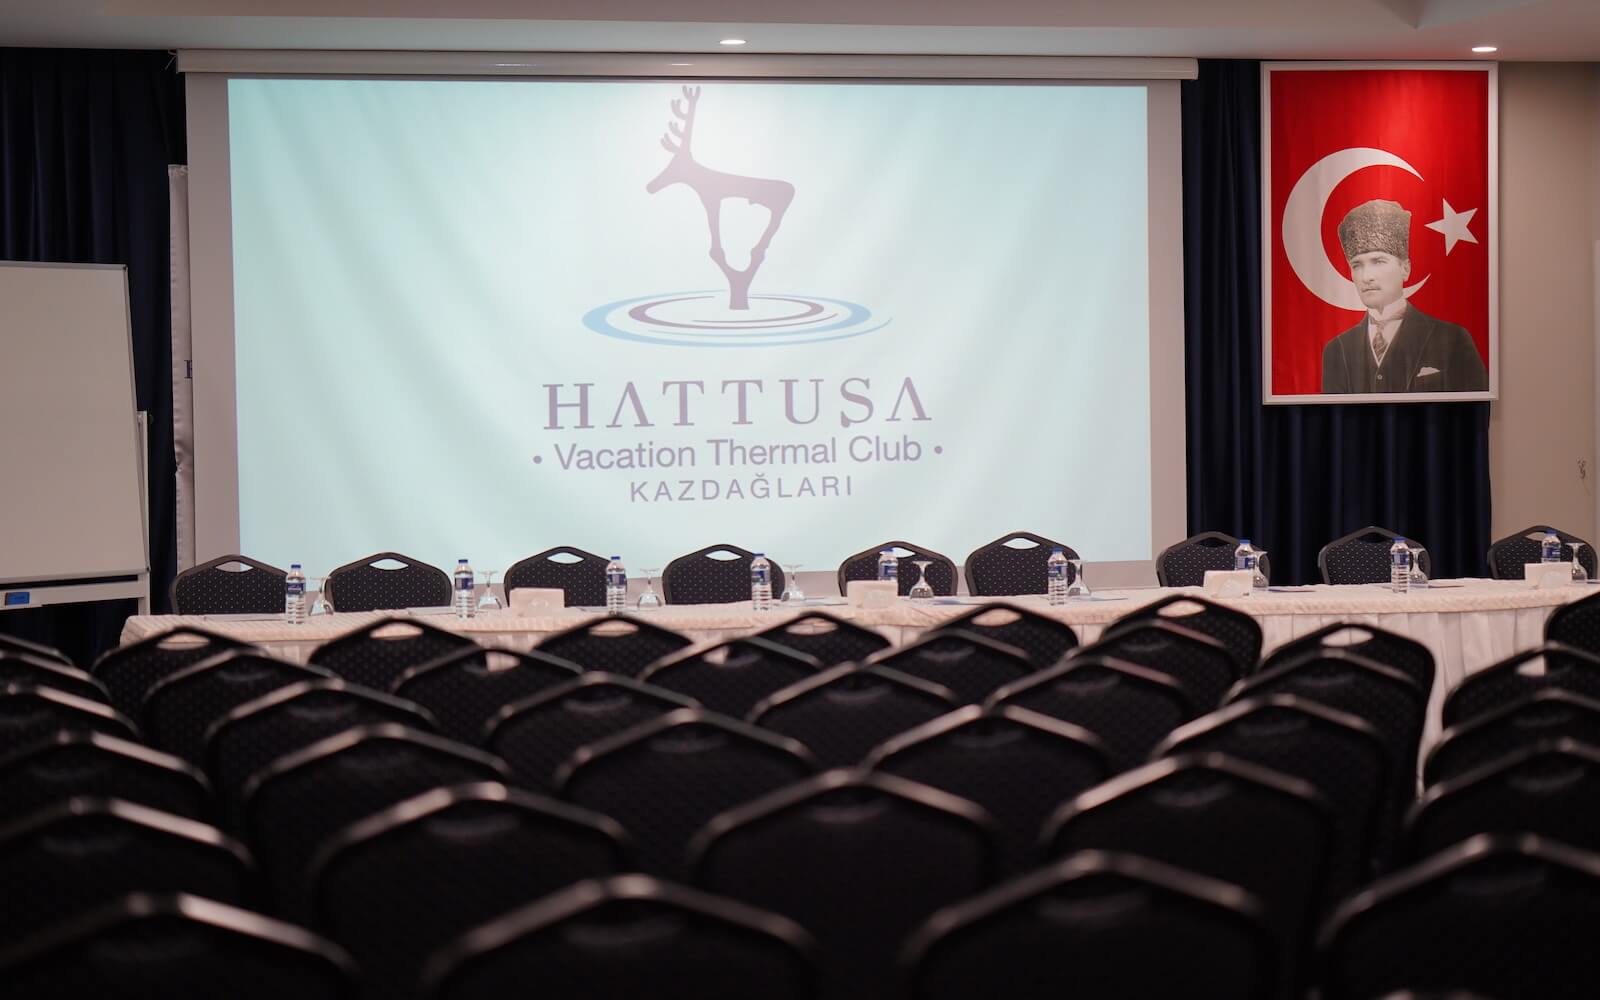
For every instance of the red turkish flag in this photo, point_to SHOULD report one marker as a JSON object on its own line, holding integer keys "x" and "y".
{"x": 1340, "y": 138}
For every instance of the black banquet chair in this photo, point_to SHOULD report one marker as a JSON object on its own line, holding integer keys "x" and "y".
{"x": 1508, "y": 555}
{"x": 941, "y": 574}
{"x": 1406, "y": 655}
{"x": 628, "y": 936}
{"x": 830, "y": 639}
{"x": 1002, "y": 568}
{"x": 17, "y": 644}
{"x": 148, "y": 945}
{"x": 1576, "y": 624}
{"x": 1238, "y": 632}
{"x": 716, "y": 574}
{"x": 467, "y": 688}
{"x": 130, "y": 671}
{"x": 1549, "y": 789}
{"x": 1496, "y": 916}
{"x": 367, "y": 585}
{"x": 580, "y": 575}
{"x": 1548, "y": 666}
{"x": 378, "y": 653}
{"x": 1205, "y": 667}
{"x": 28, "y": 670}
{"x": 68, "y": 764}
{"x": 1543, "y": 716}
{"x": 622, "y": 646}
{"x": 1184, "y": 564}
{"x": 1043, "y": 639}
{"x": 843, "y": 712}
{"x": 29, "y": 715}
{"x": 179, "y": 710}
{"x": 229, "y": 585}
{"x": 1363, "y": 557}
{"x": 1096, "y": 926}
{"x": 732, "y": 677}
{"x": 969, "y": 665}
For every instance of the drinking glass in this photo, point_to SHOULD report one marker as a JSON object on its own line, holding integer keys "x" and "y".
{"x": 1258, "y": 580}
{"x": 1579, "y": 574}
{"x": 488, "y": 602}
{"x": 922, "y": 590}
{"x": 792, "y": 594}
{"x": 323, "y": 605}
{"x": 649, "y": 599}
{"x": 1419, "y": 579}
{"x": 1079, "y": 587}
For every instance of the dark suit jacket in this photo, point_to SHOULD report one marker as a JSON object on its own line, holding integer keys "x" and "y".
{"x": 1422, "y": 343}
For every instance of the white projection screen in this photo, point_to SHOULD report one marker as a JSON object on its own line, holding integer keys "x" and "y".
{"x": 458, "y": 316}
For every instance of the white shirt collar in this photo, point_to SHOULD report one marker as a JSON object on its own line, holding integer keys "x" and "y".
{"x": 1387, "y": 320}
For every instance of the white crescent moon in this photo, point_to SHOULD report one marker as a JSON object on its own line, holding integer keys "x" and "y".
{"x": 1302, "y": 223}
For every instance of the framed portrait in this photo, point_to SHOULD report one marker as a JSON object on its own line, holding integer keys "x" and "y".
{"x": 1379, "y": 232}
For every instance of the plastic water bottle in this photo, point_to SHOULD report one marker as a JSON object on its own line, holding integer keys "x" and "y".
{"x": 294, "y": 596}
{"x": 1055, "y": 577}
{"x": 466, "y": 607}
{"x": 760, "y": 583}
{"x": 1550, "y": 548}
{"x": 616, "y": 586}
{"x": 888, "y": 566}
{"x": 1400, "y": 566}
{"x": 1244, "y": 557}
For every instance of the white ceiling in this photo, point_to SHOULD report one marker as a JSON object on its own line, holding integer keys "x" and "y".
{"x": 1329, "y": 29}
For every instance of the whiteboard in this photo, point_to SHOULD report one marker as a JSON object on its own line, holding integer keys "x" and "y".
{"x": 71, "y": 502}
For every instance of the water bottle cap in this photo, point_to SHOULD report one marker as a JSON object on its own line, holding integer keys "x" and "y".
{"x": 1056, "y": 548}
{"x": 761, "y": 555}
{"x": 461, "y": 562}
{"x": 616, "y": 558}
{"x": 1244, "y": 541}
{"x": 294, "y": 565}
{"x": 1399, "y": 538}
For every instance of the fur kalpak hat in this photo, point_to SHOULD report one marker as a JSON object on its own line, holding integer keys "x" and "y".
{"x": 1376, "y": 226}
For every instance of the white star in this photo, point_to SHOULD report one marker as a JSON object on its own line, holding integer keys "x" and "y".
{"x": 1454, "y": 227}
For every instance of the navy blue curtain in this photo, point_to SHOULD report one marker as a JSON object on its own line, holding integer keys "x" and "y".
{"x": 1292, "y": 478}
{"x": 85, "y": 140}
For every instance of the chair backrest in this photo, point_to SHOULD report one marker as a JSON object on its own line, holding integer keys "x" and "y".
{"x": 540, "y": 734}
{"x": 175, "y": 945}
{"x": 36, "y": 671}
{"x": 1406, "y": 655}
{"x": 859, "y": 859}
{"x": 1000, "y": 569}
{"x": 1096, "y": 926}
{"x": 300, "y": 800}
{"x": 1043, "y": 639}
{"x": 399, "y": 885}
{"x": 378, "y": 653}
{"x": 467, "y": 688}
{"x": 1184, "y": 564}
{"x": 1238, "y": 632}
{"x": 1131, "y": 708}
{"x": 843, "y": 712}
{"x": 698, "y": 578}
{"x": 1018, "y": 765}
{"x": 622, "y": 646}
{"x": 1205, "y": 667}
{"x": 1551, "y": 665}
{"x": 1500, "y": 916}
{"x": 96, "y": 765}
{"x": 1508, "y": 555}
{"x": 257, "y": 733}
{"x": 1337, "y": 753}
{"x": 1263, "y": 831}
{"x": 17, "y": 644}
{"x": 629, "y": 936}
{"x": 580, "y": 575}
{"x": 1549, "y": 789}
{"x": 829, "y": 638}
{"x": 969, "y": 665}
{"x": 1547, "y": 715}
{"x": 732, "y": 677}
{"x": 364, "y": 585}
{"x": 218, "y": 588}
{"x": 128, "y": 672}
{"x": 30, "y": 715}
{"x": 81, "y": 852}
{"x": 1363, "y": 557}
{"x": 180, "y": 709}
{"x": 667, "y": 777}
{"x": 1576, "y": 624}
{"x": 941, "y": 574}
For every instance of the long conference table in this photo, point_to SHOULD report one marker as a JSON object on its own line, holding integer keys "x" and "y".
{"x": 1467, "y": 624}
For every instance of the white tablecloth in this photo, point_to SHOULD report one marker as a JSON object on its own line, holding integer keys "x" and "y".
{"x": 1468, "y": 624}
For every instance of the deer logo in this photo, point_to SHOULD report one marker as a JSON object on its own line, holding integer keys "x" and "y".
{"x": 714, "y": 187}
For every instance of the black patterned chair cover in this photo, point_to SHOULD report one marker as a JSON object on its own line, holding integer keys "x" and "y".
{"x": 30, "y": 715}
{"x": 97, "y": 765}
{"x": 1510, "y": 554}
{"x": 967, "y": 664}
{"x": 1184, "y": 564}
{"x": 1576, "y": 624}
{"x": 843, "y": 712}
{"x": 1043, "y": 639}
{"x": 399, "y": 885}
{"x": 999, "y": 569}
{"x": 129, "y": 672}
{"x": 1237, "y": 631}
{"x": 1363, "y": 557}
{"x": 629, "y": 936}
{"x": 175, "y": 945}
{"x": 17, "y": 644}
{"x": 364, "y": 586}
{"x": 180, "y": 709}
{"x": 376, "y": 655}
{"x": 858, "y": 858}
{"x": 697, "y": 578}
{"x": 864, "y": 566}
{"x": 1551, "y": 789}
{"x": 1551, "y": 665}
{"x": 732, "y": 677}
{"x": 1018, "y": 765}
{"x": 34, "y": 671}
{"x": 466, "y": 689}
{"x": 582, "y": 576}
{"x": 830, "y": 639}
{"x": 212, "y": 588}
{"x": 1497, "y": 916}
{"x": 1543, "y": 716}
{"x": 1408, "y": 656}
{"x": 1096, "y": 926}
{"x": 614, "y": 645}
{"x": 1205, "y": 667}
{"x": 666, "y": 778}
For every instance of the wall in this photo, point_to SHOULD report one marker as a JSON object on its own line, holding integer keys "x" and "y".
{"x": 1545, "y": 422}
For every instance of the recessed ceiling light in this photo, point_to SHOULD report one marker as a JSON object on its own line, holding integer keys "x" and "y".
{"x": 1486, "y": 48}
{"x": 731, "y": 41}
